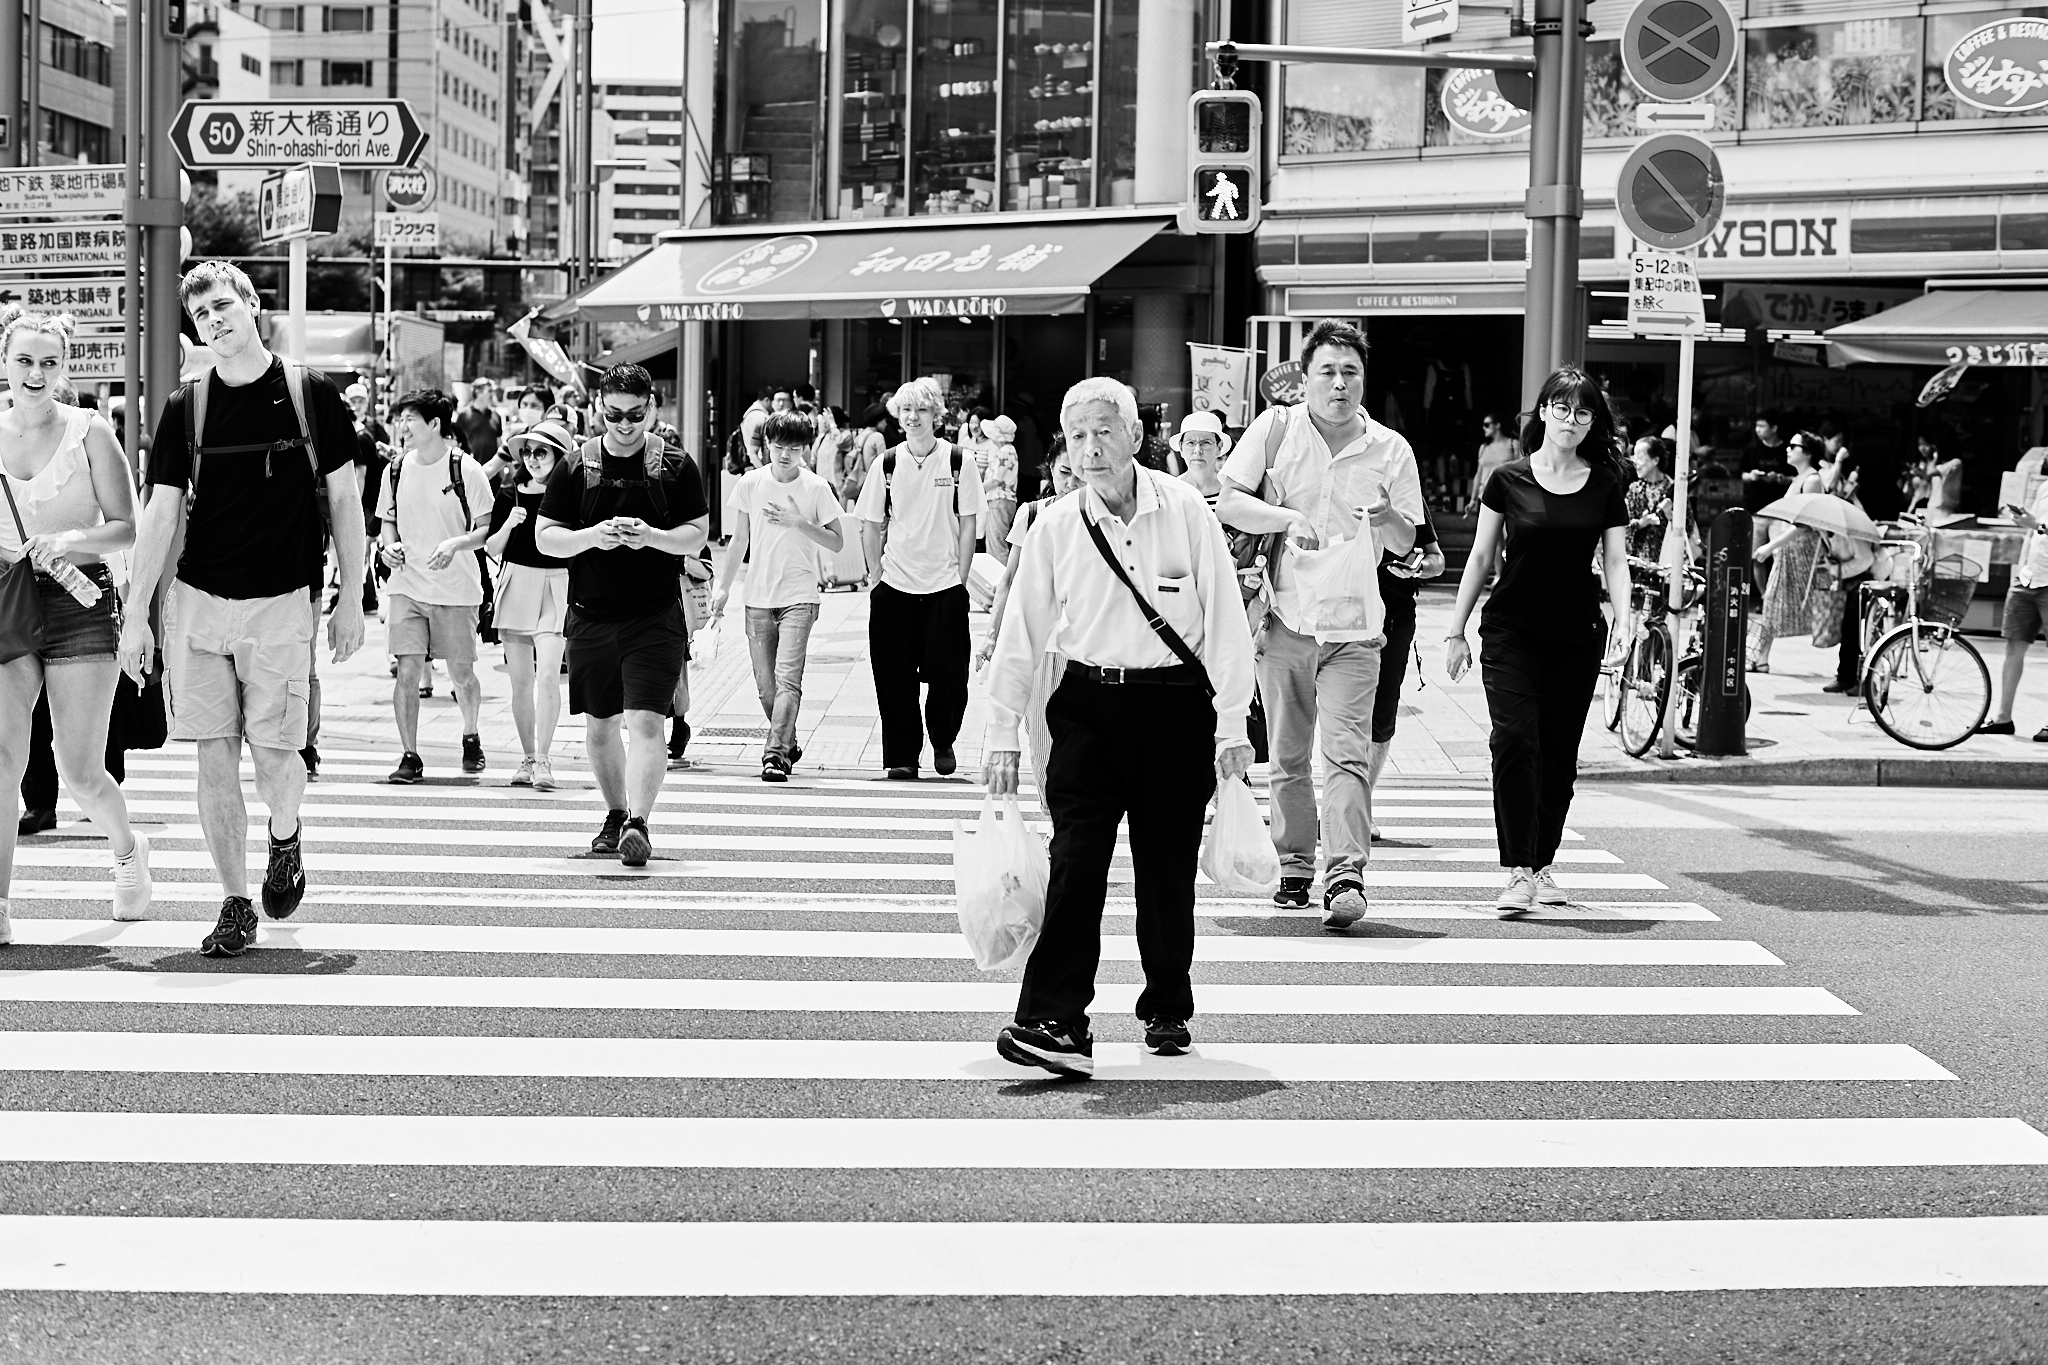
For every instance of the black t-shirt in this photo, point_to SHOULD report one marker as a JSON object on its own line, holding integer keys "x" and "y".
{"x": 623, "y": 584}
{"x": 254, "y": 528}
{"x": 519, "y": 546}
{"x": 1547, "y": 585}
{"x": 480, "y": 431}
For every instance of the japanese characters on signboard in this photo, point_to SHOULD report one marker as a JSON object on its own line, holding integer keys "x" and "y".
{"x": 2001, "y": 67}
{"x": 50, "y": 246}
{"x": 1664, "y": 294}
{"x": 62, "y": 189}
{"x": 1221, "y": 382}
{"x": 88, "y": 301}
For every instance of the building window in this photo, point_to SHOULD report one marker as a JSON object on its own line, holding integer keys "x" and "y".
{"x": 1336, "y": 109}
{"x": 953, "y": 106}
{"x": 1944, "y": 31}
{"x": 1049, "y": 106}
{"x": 773, "y": 128}
{"x": 284, "y": 18}
{"x": 251, "y": 65}
{"x": 70, "y": 52}
{"x": 348, "y": 19}
{"x": 344, "y": 73}
{"x": 1831, "y": 75}
{"x": 71, "y": 137}
{"x": 292, "y": 72}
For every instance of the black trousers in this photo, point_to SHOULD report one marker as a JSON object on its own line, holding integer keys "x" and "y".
{"x": 1137, "y": 751}
{"x": 39, "y": 778}
{"x": 1538, "y": 691}
{"x": 913, "y": 639}
{"x": 1849, "y": 657}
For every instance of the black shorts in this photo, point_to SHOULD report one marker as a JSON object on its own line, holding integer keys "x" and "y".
{"x": 619, "y": 666}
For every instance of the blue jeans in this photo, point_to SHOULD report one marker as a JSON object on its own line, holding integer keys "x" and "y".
{"x": 777, "y": 640}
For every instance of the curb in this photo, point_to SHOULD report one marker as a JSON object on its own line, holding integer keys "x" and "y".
{"x": 1932, "y": 770}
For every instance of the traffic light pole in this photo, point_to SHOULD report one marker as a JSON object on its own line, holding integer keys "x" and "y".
{"x": 10, "y": 90}
{"x": 163, "y": 216}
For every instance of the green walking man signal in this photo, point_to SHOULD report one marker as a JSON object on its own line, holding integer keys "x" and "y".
{"x": 1223, "y": 162}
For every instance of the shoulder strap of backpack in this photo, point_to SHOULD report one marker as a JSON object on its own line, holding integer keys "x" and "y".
{"x": 295, "y": 385}
{"x": 195, "y": 427}
{"x": 888, "y": 478}
{"x": 455, "y": 473}
{"x": 956, "y": 478}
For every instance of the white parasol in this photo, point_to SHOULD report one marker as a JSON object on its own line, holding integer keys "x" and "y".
{"x": 1824, "y": 512}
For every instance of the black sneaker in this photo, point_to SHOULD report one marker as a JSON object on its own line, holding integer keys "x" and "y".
{"x": 1839, "y": 687}
{"x": 1293, "y": 892}
{"x": 796, "y": 754}
{"x": 310, "y": 756}
{"x": 943, "y": 762}
{"x": 774, "y": 768}
{"x": 634, "y": 845}
{"x": 1168, "y": 1037}
{"x": 607, "y": 840}
{"x": 410, "y": 769}
{"x": 1343, "y": 904}
{"x": 899, "y": 773}
{"x": 472, "y": 754}
{"x": 284, "y": 882}
{"x": 1057, "y": 1047}
{"x": 234, "y": 933}
{"x": 678, "y": 737}
{"x": 35, "y": 821}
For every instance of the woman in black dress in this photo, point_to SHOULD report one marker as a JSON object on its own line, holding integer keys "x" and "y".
{"x": 1542, "y": 637}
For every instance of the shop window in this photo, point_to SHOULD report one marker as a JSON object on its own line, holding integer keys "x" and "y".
{"x": 2023, "y": 232}
{"x": 1512, "y": 244}
{"x": 772, "y": 163}
{"x": 1596, "y": 243}
{"x": 1429, "y": 248}
{"x": 1116, "y": 143}
{"x": 871, "y": 143}
{"x": 1944, "y": 31}
{"x": 1335, "y": 248}
{"x": 1350, "y": 109}
{"x": 1611, "y": 97}
{"x": 1850, "y": 74}
{"x": 1049, "y": 105}
{"x": 1953, "y": 232}
{"x": 953, "y": 107}
{"x": 960, "y": 354}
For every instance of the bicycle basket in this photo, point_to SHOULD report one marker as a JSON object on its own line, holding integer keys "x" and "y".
{"x": 1946, "y": 592}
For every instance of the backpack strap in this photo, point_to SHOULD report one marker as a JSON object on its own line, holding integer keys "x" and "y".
{"x": 195, "y": 427}
{"x": 889, "y": 474}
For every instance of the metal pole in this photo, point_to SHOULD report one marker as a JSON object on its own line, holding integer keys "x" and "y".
{"x": 163, "y": 250}
{"x": 10, "y": 89}
{"x": 295, "y": 319}
{"x": 1540, "y": 207}
{"x": 1372, "y": 56}
{"x": 1567, "y": 329}
{"x": 390, "y": 356}
{"x": 131, "y": 301}
{"x": 32, "y": 89}
{"x": 1676, "y": 564}
{"x": 586, "y": 182}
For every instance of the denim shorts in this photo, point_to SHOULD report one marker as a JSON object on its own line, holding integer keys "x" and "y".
{"x": 74, "y": 634}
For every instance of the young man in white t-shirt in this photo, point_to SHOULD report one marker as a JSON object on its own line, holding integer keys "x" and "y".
{"x": 432, "y": 528}
{"x": 781, "y": 517}
{"x": 918, "y": 511}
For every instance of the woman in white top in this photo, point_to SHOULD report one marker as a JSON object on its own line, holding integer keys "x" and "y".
{"x": 70, "y": 500}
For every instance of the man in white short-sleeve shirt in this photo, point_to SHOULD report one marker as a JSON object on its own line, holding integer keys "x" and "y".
{"x": 784, "y": 519}
{"x": 918, "y": 511}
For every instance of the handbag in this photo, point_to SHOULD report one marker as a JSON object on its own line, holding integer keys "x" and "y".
{"x": 21, "y": 602}
{"x": 1824, "y": 599}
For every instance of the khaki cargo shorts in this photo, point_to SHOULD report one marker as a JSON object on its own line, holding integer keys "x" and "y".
{"x": 238, "y": 666}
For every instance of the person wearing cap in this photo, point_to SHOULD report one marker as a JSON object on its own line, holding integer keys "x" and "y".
{"x": 533, "y": 598}
{"x": 1201, "y": 444}
{"x": 999, "y": 484}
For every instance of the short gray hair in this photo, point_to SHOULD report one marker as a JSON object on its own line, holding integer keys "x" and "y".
{"x": 920, "y": 392}
{"x": 1102, "y": 389}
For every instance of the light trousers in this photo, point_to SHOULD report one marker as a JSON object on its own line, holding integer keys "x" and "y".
{"x": 1314, "y": 690}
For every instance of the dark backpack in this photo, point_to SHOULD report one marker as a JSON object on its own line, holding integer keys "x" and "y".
{"x": 196, "y": 392}
{"x": 655, "y": 461}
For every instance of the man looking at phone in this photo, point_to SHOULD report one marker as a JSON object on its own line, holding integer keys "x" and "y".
{"x": 621, "y": 512}
{"x": 1322, "y": 472}
{"x": 2026, "y": 609}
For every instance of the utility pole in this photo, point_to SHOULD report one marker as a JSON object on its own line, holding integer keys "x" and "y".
{"x": 1552, "y": 333}
{"x": 131, "y": 359}
{"x": 586, "y": 169}
{"x": 31, "y": 134}
{"x": 10, "y": 90}
{"x": 163, "y": 214}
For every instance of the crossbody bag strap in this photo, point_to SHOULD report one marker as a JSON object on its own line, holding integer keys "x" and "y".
{"x": 21, "y": 531}
{"x": 1152, "y": 617}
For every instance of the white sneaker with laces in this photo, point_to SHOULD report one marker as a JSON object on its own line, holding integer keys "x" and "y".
{"x": 1548, "y": 892}
{"x": 543, "y": 775}
{"x": 524, "y": 777}
{"x": 6, "y": 925}
{"x": 1518, "y": 897}
{"x": 132, "y": 886}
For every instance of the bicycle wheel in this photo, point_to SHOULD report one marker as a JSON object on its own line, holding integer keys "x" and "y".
{"x": 1688, "y": 726}
{"x": 1926, "y": 686}
{"x": 1645, "y": 687}
{"x": 1610, "y": 695}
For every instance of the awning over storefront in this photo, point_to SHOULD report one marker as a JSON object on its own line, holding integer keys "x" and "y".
{"x": 1950, "y": 327}
{"x": 892, "y": 270}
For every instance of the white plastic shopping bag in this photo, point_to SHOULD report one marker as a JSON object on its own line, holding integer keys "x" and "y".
{"x": 1000, "y": 871}
{"x": 1238, "y": 854}
{"x": 704, "y": 644}
{"x": 1339, "y": 590}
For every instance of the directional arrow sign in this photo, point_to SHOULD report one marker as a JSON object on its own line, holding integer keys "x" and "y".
{"x": 216, "y": 134}
{"x": 1422, "y": 20}
{"x": 1671, "y": 191}
{"x": 1691, "y": 118}
{"x": 1678, "y": 50}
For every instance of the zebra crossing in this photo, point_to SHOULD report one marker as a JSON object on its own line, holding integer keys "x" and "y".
{"x": 782, "y": 993}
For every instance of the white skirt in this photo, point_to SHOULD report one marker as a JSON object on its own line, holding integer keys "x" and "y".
{"x": 531, "y": 601}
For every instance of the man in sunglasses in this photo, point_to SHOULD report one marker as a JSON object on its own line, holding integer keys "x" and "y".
{"x": 621, "y": 512}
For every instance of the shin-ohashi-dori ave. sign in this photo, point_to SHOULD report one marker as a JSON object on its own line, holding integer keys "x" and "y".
{"x": 211, "y": 134}
{"x": 2002, "y": 67}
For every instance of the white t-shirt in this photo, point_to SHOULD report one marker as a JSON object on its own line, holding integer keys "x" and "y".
{"x": 782, "y": 564}
{"x": 428, "y": 513}
{"x": 921, "y": 545}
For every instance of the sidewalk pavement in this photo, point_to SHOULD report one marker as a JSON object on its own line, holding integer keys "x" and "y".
{"x": 1797, "y": 733}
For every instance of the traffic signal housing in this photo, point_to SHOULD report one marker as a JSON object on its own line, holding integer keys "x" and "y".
{"x": 1224, "y": 150}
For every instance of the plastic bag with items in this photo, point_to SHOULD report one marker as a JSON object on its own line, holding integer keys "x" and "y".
{"x": 1338, "y": 589}
{"x": 1238, "y": 854}
{"x": 1000, "y": 871}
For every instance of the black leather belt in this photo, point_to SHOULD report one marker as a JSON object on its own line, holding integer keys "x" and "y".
{"x": 1178, "y": 675}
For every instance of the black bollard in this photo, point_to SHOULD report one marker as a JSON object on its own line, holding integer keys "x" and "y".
{"x": 1724, "y": 622}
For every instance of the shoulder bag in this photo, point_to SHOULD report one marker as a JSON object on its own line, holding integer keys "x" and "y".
{"x": 21, "y": 602}
{"x": 1152, "y": 618}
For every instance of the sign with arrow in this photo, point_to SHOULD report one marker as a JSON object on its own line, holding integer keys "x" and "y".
{"x": 1678, "y": 50}
{"x": 1671, "y": 192}
{"x": 1664, "y": 294}
{"x": 89, "y": 301}
{"x": 217, "y": 134}
{"x": 1677, "y": 118}
{"x": 1422, "y": 20}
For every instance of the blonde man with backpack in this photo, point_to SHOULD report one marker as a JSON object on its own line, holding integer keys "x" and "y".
{"x": 621, "y": 512}
{"x": 239, "y": 462}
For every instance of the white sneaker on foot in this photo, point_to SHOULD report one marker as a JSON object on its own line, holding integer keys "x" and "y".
{"x": 524, "y": 777}
{"x": 543, "y": 775}
{"x": 6, "y": 925}
{"x": 1518, "y": 897}
{"x": 1548, "y": 892}
{"x": 132, "y": 888}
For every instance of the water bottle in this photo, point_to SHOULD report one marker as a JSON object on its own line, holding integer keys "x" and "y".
{"x": 73, "y": 580}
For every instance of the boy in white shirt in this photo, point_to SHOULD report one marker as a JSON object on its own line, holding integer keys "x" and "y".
{"x": 782, "y": 516}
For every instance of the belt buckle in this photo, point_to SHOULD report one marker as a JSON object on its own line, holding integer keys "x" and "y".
{"x": 1112, "y": 675}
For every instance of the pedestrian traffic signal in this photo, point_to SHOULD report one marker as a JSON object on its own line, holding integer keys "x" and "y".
{"x": 1223, "y": 162}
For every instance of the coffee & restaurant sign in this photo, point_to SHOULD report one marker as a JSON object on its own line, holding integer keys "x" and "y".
{"x": 2002, "y": 67}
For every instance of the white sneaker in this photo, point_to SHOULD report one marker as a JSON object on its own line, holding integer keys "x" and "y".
{"x": 543, "y": 775}
{"x": 132, "y": 887}
{"x": 1518, "y": 897}
{"x": 1548, "y": 892}
{"x": 524, "y": 777}
{"x": 6, "y": 925}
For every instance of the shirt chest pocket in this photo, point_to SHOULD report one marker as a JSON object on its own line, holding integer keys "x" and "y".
{"x": 1178, "y": 602}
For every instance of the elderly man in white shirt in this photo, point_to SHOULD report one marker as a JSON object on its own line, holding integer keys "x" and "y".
{"x": 1149, "y": 717}
{"x": 1323, "y": 472}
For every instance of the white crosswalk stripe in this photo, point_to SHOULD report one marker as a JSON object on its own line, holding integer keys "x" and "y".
{"x": 810, "y": 932}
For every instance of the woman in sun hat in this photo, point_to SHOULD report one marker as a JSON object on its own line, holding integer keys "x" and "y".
{"x": 532, "y": 597}
{"x": 1201, "y": 444}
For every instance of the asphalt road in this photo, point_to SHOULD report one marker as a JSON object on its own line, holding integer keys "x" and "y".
{"x": 1877, "y": 957}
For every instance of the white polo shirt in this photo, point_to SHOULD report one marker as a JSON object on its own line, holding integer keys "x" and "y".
{"x": 921, "y": 540}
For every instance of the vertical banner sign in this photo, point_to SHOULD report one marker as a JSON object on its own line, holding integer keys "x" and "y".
{"x": 1722, "y": 719}
{"x": 1222, "y": 382}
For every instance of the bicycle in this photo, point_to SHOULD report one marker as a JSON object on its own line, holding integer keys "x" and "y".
{"x": 1924, "y": 684}
{"x": 1646, "y": 673}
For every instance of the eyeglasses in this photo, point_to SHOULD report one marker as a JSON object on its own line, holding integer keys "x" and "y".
{"x": 795, "y": 452}
{"x": 1565, "y": 412}
{"x": 618, "y": 418}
